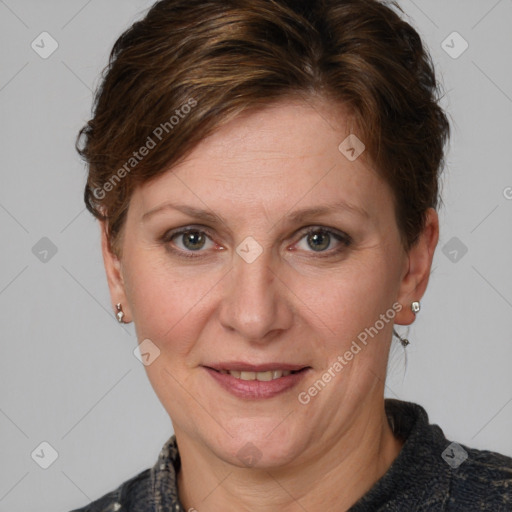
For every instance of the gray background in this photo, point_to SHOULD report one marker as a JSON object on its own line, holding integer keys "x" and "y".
{"x": 68, "y": 373}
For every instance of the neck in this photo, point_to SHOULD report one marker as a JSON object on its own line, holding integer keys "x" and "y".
{"x": 334, "y": 479}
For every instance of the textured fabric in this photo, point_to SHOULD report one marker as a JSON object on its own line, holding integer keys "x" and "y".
{"x": 430, "y": 474}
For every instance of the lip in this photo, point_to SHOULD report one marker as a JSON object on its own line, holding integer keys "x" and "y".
{"x": 255, "y": 389}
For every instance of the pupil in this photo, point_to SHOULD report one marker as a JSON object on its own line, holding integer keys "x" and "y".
{"x": 192, "y": 238}
{"x": 320, "y": 240}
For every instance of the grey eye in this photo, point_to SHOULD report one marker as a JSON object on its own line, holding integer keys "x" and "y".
{"x": 192, "y": 240}
{"x": 318, "y": 240}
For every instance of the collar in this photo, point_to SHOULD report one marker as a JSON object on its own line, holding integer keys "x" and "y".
{"x": 164, "y": 478}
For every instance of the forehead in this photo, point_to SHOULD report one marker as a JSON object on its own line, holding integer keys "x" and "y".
{"x": 284, "y": 155}
{"x": 290, "y": 129}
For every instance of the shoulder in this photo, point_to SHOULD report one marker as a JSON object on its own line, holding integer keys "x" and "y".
{"x": 443, "y": 474}
{"x": 121, "y": 497}
{"x": 483, "y": 480}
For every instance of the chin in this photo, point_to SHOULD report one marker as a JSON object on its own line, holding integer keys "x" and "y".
{"x": 259, "y": 446}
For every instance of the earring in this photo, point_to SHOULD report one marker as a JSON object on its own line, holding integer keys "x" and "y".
{"x": 403, "y": 341}
{"x": 120, "y": 313}
{"x": 415, "y": 307}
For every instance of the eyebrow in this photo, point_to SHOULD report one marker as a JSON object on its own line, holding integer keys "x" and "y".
{"x": 295, "y": 216}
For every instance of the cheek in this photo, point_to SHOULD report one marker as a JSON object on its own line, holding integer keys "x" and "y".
{"x": 171, "y": 304}
{"x": 348, "y": 299}
{"x": 347, "y": 308}
{"x": 164, "y": 301}
{"x": 175, "y": 307}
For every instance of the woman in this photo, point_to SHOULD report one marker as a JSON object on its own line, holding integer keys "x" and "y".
{"x": 265, "y": 174}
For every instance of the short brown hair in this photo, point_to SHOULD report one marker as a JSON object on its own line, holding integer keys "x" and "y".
{"x": 189, "y": 66}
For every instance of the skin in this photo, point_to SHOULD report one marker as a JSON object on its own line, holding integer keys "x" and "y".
{"x": 290, "y": 305}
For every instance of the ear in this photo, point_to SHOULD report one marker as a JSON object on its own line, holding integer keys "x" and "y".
{"x": 113, "y": 269}
{"x": 416, "y": 275}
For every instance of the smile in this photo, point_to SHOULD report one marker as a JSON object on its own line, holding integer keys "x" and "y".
{"x": 264, "y": 383}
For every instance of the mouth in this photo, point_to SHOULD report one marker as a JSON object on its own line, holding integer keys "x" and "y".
{"x": 257, "y": 381}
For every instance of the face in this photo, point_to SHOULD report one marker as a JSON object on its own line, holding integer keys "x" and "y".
{"x": 265, "y": 250}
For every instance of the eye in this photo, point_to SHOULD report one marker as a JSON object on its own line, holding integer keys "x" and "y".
{"x": 188, "y": 240}
{"x": 320, "y": 239}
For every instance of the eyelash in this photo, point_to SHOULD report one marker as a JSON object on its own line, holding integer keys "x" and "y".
{"x": 345, "y": 240}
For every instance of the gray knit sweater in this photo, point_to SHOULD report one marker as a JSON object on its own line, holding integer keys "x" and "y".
{"x": 430, "y": 474}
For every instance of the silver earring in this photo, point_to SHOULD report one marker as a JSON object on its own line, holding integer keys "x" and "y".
{"x": 415, "y": 307}
{"x": 120, "y": 313}
{"x": 403, "y": 341}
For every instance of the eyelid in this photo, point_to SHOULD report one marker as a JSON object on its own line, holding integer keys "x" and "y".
{"x": 332, "y": 231}
{"x": 172, "y": 233}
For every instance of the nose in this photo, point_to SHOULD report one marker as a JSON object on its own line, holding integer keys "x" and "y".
{"x": 255, "y": 302}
